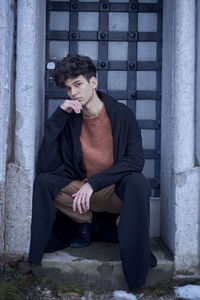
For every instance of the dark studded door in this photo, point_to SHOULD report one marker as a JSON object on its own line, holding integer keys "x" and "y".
{"x": 124, "y": 40}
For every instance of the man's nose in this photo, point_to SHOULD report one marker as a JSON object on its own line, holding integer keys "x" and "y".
{"x": 73, "y": 91}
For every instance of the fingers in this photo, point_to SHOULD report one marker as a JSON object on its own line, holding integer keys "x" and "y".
{"x": 74, "y": 202}
{"x": 87, "y": 201}
{"x": 79, "y": 205}
{"x": 81, "y": 202}
{"x": 70, "y": 105}
{"x": 82, "y": 198}
{"x": 76, "y": 106}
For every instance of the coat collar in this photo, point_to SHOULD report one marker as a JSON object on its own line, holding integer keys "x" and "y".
{"x": 109, "y": 102}
{"x": 110, "y": 105}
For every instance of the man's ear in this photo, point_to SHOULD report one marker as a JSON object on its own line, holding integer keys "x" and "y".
{"x": 93, "y": 82}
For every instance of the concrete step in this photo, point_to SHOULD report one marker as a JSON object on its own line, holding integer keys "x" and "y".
{"x": 98, "y": 267}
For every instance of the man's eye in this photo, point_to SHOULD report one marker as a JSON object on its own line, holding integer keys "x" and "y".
{"x": 78, "y": 84}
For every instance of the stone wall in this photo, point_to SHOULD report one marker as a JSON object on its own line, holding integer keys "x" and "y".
{"x": 180, "y": 176}
{"x": 26, "y": 108}
{"x": 7, "y": 64}
{"x": 197, "y": 84}
{"x": 167, "y": 198}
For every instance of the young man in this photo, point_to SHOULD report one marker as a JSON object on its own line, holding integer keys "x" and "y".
{"x": 90, "y": 161}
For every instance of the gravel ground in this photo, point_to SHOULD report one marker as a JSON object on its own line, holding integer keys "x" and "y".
{"x": 46, "y": 294}
{"x": 18, "y": 285}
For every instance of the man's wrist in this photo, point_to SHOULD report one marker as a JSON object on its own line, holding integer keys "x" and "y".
{"x": 86, "y": 182}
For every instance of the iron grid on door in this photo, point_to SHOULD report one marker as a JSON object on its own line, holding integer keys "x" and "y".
{"x": 124, "y": 40}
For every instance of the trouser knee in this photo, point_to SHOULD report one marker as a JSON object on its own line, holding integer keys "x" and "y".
{"x": 136, "y": 181}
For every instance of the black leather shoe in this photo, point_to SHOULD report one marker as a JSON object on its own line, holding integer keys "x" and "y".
{"x": 85, "y": 232}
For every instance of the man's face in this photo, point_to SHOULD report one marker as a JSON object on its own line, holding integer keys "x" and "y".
{"x": 80, "y": 89}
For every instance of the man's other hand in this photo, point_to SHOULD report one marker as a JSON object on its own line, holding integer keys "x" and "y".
{"x": 81, "y": 200}
{"x": 69, "y": 105}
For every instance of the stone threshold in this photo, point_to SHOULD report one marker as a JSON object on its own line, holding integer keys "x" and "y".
{"x": 98, "y": 267}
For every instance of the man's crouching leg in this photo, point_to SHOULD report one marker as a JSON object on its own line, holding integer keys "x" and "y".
{"x": 87, "y": 224}
{"x": 46, "y": 187}
{"x": 133, "y": 230}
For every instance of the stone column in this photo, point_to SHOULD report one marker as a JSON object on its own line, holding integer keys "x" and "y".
{"x": 180, "y": 177}
{"x": 29, "y": 104}
{"x": 186, "y": 174}
{"x": 198, "y": 85}
{"x": 167, "y": 217}
{"x": 7, "y": 12}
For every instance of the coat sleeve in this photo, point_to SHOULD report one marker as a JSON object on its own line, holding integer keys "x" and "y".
{"x": 133, "y": 160}
{"x": 50, "y": 157}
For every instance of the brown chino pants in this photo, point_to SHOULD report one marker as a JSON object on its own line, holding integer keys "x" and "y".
{"x": 104, "y": 200}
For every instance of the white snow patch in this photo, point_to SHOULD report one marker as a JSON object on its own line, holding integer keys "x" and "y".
{"x": 191, "y": 292}
{"x": 118, "y": 295}
{"x": 141, "y": 295}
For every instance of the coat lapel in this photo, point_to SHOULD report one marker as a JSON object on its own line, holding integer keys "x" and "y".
{"x": 111, "y": 109}
{"x": 76, "y": 125}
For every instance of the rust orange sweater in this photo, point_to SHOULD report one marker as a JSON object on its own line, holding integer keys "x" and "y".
{"x": 97, "y": 143}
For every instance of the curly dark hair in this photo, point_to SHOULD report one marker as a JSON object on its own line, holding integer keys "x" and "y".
{"x": 73, "y": 66}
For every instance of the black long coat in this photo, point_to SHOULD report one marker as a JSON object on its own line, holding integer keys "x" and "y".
{"x": 61, "y": 160}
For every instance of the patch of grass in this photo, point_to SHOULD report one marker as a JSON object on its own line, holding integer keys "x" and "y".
{"x": 166, "y": 288}
{"x": 67, "y": 288}
{"x": 160, "y": 289}
{"x": 16, "y": 286}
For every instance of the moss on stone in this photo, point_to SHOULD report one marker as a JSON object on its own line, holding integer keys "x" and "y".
{"x": 15, "y": 286}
